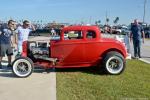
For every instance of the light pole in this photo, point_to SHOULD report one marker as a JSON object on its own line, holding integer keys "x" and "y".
{"x": 144, "y": 11}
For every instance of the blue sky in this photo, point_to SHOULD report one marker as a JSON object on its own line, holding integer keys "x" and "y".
{"x": 74, "y": 11}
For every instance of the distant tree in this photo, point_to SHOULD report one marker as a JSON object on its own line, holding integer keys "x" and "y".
{"x": 98, "y": 22}
{"x": 116, "y": 20}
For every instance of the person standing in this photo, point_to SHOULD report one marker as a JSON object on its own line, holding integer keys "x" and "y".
{"x": 6, "y": 42}
{"x": 23, "y": 33}
{"x": 53, "y": 32}
{"x": 137, "y": 35}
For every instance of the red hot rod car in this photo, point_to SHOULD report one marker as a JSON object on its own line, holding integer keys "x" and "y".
{"x": 77, "y": 46}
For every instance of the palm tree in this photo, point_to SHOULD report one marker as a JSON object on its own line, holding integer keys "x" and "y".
{"x": 116, "y": 20}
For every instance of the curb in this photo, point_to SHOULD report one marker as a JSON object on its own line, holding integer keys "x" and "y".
{"x": 144, "y": 61}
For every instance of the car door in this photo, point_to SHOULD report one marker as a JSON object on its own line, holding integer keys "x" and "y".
{"x": 92, "y": 47}
{"x": 70, "y": 51}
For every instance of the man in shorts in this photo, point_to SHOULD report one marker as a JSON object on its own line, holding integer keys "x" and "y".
{"x": 6, "y": 42}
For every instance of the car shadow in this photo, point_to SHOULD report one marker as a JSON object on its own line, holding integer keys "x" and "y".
{"x": 87, "y": 70}
{"x": 7, "y": 73}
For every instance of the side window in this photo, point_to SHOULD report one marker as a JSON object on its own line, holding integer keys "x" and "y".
{"x": 90, "y": 34}
{"x": 73, "y": 35}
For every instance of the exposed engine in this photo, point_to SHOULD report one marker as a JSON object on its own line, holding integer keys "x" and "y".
{"x": 39, "y": 50}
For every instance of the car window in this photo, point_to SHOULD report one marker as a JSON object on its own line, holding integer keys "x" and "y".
{"x": 74, "y": 35}
{"x": 90, "y": 34}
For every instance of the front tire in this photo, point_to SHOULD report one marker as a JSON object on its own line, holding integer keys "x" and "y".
{"x": 23, "y": 67}
{"x": 114, "y": 63}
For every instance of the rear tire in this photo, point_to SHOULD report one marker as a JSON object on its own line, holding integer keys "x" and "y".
{"x": 114, "y": 63}
{"x": 23, "y": 67}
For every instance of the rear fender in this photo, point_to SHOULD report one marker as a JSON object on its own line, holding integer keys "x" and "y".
{"x": 113, "y": 49}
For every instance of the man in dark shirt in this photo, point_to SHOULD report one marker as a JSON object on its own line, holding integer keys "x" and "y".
{"x": 6, "y": 43}
{"x": 137, "y": 33}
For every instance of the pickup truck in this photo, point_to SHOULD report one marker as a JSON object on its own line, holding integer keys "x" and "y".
{"x": 77, "y": 46}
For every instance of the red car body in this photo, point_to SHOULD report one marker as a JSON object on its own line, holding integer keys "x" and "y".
{"x": 77, "y": 46}
{"x": 79, "y": 52}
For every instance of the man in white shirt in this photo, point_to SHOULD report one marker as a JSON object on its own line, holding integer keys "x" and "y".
{"x": 23, "y": 33}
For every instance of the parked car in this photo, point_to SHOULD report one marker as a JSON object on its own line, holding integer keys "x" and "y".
{"x": 83, "y": 47}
